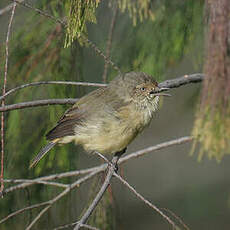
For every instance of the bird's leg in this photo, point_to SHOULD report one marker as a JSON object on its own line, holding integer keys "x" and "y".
{"x": 116, "y": 157}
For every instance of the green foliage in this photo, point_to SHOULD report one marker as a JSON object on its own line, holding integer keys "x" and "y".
{"x": 79, "y": 13}
{"x": 138, "y": 9}
{"x": 39, "y": 56}
{"x": 154, "y": 46}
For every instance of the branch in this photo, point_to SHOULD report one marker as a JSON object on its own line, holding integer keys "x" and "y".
{"x": 163, "y": 145}
{"x": 44, "y": 102}
{"x": 8, "y": 8}
{"x": 103, "y": 166}
{"x": 3, "y": 92}
{"x": 173, "y": 83}
{"x": 90, "y": 171}
{"x": 184, "y": 80}
{"x": 51, "y": 82}
{"x": 177, "y": 218}
{"x": 111, "y": 170}
{"x": 52, "y": 201}
{"x": 145, "y": 200}
{"x": 73, "y": 224}
{"x": 36, "y": 182}
{"x": 23, "y": 210}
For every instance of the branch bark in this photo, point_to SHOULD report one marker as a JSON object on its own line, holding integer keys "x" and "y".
{"x": 154, "y": 207}
{"x": 51, "y": 83}
{"x": 3, "y": 93}
{"x": 102, "y": 167}
{"x": 91, "y": 172}
{"x": 44, "y": 102}
{"x": 93, "y": 205}
{"x": 173, "y": 83}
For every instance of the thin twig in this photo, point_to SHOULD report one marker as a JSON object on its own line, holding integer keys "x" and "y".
{"x": 36, "y": 182}
{"x": 98, "y": 51}
{"x": 52, "y": 201}
{"x": 38, "y": 217}
{"x": 55, "y": 176}
{"x": 163, "y": 145}
{"x": 63, "y": 22}
{"x": 58, "y": 197}
{"x": 3, "y": 92}
{"x": 93, "y": 205}
{"x": 8, "y": 8}
{"x": 109, "y": 42}
{"x": 102, "y": 167}
{"x": 43, "y": 13}
{"x": 73, "y": 224}
{"x": 173, "y": 83}
{"x": 176, "y": 217}
{"x": 92, "y": 171}
{"x": 145, "y": 200}
{"x": 23, "y": 105}
{"x": 51, "y": 82}
{"x": 23, "y": 210}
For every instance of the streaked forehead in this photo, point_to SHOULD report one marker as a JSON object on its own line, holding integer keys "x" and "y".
{"x": 137, "y": 78}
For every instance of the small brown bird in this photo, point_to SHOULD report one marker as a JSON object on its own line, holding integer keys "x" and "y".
{"x": 109, "y": 118}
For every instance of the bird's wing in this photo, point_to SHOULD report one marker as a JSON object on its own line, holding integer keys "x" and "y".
{"x": 75, "y": 115}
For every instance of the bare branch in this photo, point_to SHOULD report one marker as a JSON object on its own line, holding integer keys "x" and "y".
{"x": 93, "y": 205}
{"x": 3, "y": 92}
{"x": 52, "y": 201}
{"x": 8, "y": 8}
{"x": 36, "y": 182}
{"x": 55, "y": 176}
{"x": 184, "y": 80}
{"x": 23, "y": 210}
{"x": 51, "y": 82}
{"x": 103, "y": 166}
{"x": 109, "y": 42}
{"x": 73, "y": 224}
{"x": 145, "y": 200}
{"x": 176, "y": 217}
{"x": 90, "y": 171}
{"x": 44, "y": 102}
{"x": 155, "y": 147}
{"x": 43, "y": 13}
{"x": 38, "y": 217}
{"x": 173, "y": 83}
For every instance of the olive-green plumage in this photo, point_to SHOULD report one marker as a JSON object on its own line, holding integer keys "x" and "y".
{"x": 109, "y": 118}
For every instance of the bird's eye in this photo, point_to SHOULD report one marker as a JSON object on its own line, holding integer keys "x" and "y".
{"x": 142, "y": 88}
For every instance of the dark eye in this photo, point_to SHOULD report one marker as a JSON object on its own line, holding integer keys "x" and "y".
{"x": 143, "y": 88}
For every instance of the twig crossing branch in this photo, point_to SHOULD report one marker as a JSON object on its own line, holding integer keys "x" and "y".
{"x": 111, "y": 170}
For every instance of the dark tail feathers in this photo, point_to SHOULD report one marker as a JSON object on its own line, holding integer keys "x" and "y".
{"x": 42, "y": 153}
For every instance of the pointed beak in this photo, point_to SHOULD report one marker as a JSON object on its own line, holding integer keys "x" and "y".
{"x": 163, "y": 89}
{"x": 159, "y": 91}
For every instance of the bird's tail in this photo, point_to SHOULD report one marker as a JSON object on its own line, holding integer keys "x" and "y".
{"x": 42, "y": 153}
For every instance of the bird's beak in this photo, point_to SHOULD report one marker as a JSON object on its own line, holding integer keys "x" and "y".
{"x": 163, "y": 89}
{"x": 159, "y": 91}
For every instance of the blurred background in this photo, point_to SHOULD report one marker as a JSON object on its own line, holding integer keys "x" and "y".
{"x": 165, "y": 40}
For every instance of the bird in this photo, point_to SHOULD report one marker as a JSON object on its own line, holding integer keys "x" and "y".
{"x": 109, "y": 118}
